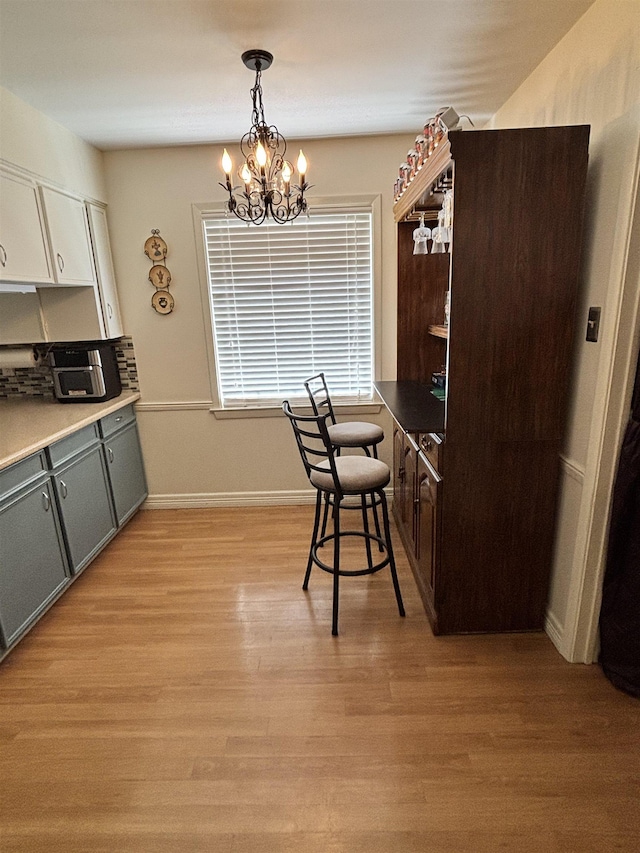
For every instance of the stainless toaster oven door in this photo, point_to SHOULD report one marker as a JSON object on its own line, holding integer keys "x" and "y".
{"x": 87, "y": 381}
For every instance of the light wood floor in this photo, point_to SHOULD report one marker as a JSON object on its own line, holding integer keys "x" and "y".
{"x": 186, "y": 695}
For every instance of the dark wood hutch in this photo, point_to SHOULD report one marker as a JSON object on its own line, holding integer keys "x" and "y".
{"x": 476, "y": 474}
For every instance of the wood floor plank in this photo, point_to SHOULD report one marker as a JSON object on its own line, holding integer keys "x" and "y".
{"x": 186, "y": 695}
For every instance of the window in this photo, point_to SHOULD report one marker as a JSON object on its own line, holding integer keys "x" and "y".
{"x": 289, "y": 301}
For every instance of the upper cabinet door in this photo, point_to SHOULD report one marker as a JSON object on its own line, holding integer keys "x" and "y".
{"x": 69, "y": 240}
{"x": 105, "y": 271}
{"x": 23, "y": 249}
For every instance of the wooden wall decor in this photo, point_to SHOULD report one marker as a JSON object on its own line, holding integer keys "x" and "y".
{"x": 156, "y": 250}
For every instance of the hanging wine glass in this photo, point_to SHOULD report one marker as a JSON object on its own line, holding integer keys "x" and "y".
{"x": 439, "y": 236}
{"x": 420, "y": 236}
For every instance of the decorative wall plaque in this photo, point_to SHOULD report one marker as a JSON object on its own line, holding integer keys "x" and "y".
{"x": 156, "y": 250}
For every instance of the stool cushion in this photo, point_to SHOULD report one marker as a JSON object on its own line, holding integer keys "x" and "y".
{"x": 355, "y": 434}
{"x": 355, "y": 473}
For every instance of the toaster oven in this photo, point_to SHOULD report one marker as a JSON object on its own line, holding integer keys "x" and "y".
{"x": 85, "y": 373}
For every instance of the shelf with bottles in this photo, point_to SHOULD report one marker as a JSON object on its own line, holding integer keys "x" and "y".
{"x": 420, "y": 177}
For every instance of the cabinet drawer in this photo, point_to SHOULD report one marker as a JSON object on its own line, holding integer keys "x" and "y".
{"x": 431, "y": 445}
{"x": 72, "y": 444}
{"x": 116, "y": 420}
{"x": 22, "y": 473}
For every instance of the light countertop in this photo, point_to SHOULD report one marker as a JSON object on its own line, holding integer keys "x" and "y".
{"x": 28, "y": 424}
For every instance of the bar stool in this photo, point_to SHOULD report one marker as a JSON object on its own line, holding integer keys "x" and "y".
{"x": 334, "y": 478}
{"x": 348, "y": 434}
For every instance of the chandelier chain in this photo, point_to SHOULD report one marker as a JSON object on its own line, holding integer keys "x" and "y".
{"x": 256, "y": 96}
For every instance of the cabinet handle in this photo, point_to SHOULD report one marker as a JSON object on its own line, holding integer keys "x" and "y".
{"x": 63, "y": 488}
{"x": 110, "y": 452}
{"x": 109, "y": 311}
{"x": 60, "y": 261}
{"x": 46, "y": 501}
{"x": 119, "y": 418}
{"x": 3, "y": 256}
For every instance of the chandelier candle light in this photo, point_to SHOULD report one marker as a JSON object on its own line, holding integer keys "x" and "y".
{"x": 265, "y": 173}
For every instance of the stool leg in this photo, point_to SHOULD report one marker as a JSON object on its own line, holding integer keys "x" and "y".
{"x": 373, "y": 453}
{"x": 336, "y": 564}
{"x": 365, "y": 525}
{"x": 376, "y": 521}
{"x": 392, "y": 562}
{"x": 325, "y": 517}
{"x": 314, "y": 539}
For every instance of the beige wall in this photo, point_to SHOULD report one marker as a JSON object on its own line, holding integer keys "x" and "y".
{"x": 34, "y": 142}
{"x": 191, "y": 455}
{"x": 593, "y": 77}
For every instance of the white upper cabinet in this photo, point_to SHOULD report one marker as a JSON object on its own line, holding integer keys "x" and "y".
{"x": 23, "y": 248}
{"x": 104, "y": 268}
{"x": 59, "y": 243}
{"x": 68, "y": 230}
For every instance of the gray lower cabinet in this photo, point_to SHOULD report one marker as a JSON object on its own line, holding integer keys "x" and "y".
{"x": 58, "y": 509}
{"x": 124, "y": 462}
{"x": 82, "y": 490}
{"x": 33, "y": 560}
{"x": 83, "y": 494}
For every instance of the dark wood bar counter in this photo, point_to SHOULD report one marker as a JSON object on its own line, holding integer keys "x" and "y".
{"x": 413, "y": 405}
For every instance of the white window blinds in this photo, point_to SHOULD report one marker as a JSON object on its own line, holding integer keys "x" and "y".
{"x": 289, "y": 301}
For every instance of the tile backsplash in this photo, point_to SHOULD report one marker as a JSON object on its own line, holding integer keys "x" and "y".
{"x": 37, "y": 381}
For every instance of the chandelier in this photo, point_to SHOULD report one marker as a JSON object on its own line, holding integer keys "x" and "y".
{"x": 265, "y": 173}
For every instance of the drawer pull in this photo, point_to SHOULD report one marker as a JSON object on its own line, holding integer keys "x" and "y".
{"x": 118, "y": 419}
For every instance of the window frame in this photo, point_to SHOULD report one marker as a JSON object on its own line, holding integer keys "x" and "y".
{"x": 370, "y": 203}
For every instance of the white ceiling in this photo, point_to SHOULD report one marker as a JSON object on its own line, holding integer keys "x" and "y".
{"x": 131, "y": 73}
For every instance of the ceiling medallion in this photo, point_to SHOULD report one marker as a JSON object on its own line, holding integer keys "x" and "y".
{"x": 265, "y": 173}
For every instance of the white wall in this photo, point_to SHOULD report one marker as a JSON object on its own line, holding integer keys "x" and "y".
{"x": 191, "y": 456}
{"x": 47, "y": 149}
{"x": 593, "y": 77}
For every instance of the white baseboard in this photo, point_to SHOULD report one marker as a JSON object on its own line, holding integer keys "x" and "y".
{"x": 554, "y": 631}
{"x": 215, "y": 499}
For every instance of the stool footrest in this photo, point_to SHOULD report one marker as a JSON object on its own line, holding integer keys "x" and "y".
{"x": 370, "y": 570}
